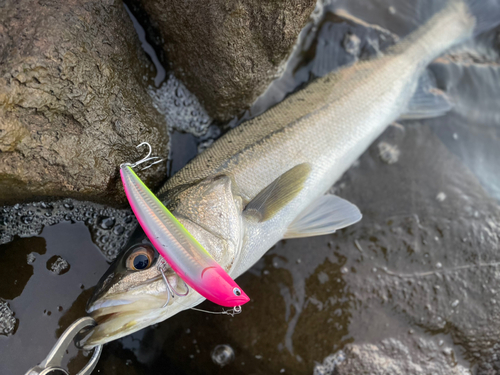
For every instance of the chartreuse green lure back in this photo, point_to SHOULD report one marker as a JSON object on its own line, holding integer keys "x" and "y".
{"x": 179, "y": 248}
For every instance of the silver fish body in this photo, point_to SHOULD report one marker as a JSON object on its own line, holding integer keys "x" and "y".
{"x": 328, "y": 125}
{"x": 316, "y": 133}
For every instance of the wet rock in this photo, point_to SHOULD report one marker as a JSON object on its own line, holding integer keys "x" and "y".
{"x": 7, "y": 320}
{"x": 110, "y": 227}
{"x": 58, "y": 265}
{"x": 227, "y": 52}
{"x": 107, "y": 223}
{"x": 181, "y": 108}
{"x": 391, "y": 356}
{"x": 329, "y": 364}
{"x": 431, "y": 261}
{"x": 222, "y": 355}
{"x": 30, "y": 258}
{"x": 472, "y": 82}
{"x": 389, "y": 154}
{"x": 73, "y": 103}
{"x": 351, "y": 44}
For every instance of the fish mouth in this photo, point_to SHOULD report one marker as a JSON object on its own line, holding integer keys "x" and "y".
{"x": 134, "y": 308}
{"x": 126, "y": 313}
{"x": 122, "y": 315}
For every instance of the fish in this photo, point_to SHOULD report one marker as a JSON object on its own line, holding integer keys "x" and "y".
{"x": 177, "y": 246}
{"x": 266, "y": 179}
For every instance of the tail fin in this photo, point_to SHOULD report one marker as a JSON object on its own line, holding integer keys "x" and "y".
{"x": 458, "y": 21}
{"x": 448, "y": 27}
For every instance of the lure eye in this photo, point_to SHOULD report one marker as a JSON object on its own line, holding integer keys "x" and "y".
{"x": 237, "y": 292}
{"x": 140, "y": 259}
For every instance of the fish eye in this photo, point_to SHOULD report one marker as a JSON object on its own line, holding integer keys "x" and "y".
{"x": 141, "y": 258}
{"x": 237, "y": 292}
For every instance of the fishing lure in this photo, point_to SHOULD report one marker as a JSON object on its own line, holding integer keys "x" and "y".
{"x": 179, "y": 248}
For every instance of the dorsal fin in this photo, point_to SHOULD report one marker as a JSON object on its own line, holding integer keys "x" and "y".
{"x": 278, "y": 193}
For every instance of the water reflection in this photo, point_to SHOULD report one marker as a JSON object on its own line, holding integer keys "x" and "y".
{"x": 44, "y": 302}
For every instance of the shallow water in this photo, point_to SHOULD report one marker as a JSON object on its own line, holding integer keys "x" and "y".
{"x": 44, "y": 302}
{"x": 412, "y": 288}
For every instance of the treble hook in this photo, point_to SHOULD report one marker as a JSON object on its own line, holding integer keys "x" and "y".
{"x": 162, "y": 265}
{"x": 147, "y": 158}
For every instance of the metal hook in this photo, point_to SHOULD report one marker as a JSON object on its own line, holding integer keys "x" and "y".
{"x": 162, "y": 265}
{"x": 168, "y": 290}
{"x": 172, "y": 289}
{"x": 147, "y": 158}
{"x": 232, "y": 312}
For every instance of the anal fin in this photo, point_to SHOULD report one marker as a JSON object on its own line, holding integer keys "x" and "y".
{"x": 325, "y": 215}
{"x": 428, "y": 101}
{"x": 278, "y": 193}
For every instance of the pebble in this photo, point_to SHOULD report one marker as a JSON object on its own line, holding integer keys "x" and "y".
{"x": 222, "y": 355}
{"x": 389, "y": 154}
{"x": 7, "y": 320}
{"x": 58, "y": 265}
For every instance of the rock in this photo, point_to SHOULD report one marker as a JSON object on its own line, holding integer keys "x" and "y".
{"x": 391, "y": 356}
{"x": 388, "y": 154}
{"x": 110, "y": 227}
{"x": 7, "y": 320}
{"x": 180, "y": 107}
{"x": 429, "y": 262}
{"x": 58, "y": 265}
{"x": 227, "y": 52}
{"x": 329, "y": 363}
{"x": 73, "y": 101}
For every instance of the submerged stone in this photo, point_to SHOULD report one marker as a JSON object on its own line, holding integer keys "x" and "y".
{"x": 58, "y": 265}
{"x": 392, "y": 356}
{"x": 7, "y": 320}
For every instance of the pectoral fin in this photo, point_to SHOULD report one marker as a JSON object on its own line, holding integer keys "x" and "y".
{"x": 428, "y": 101}
{"x": 324, "y": 216}
{"x": 278, "y": 193}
